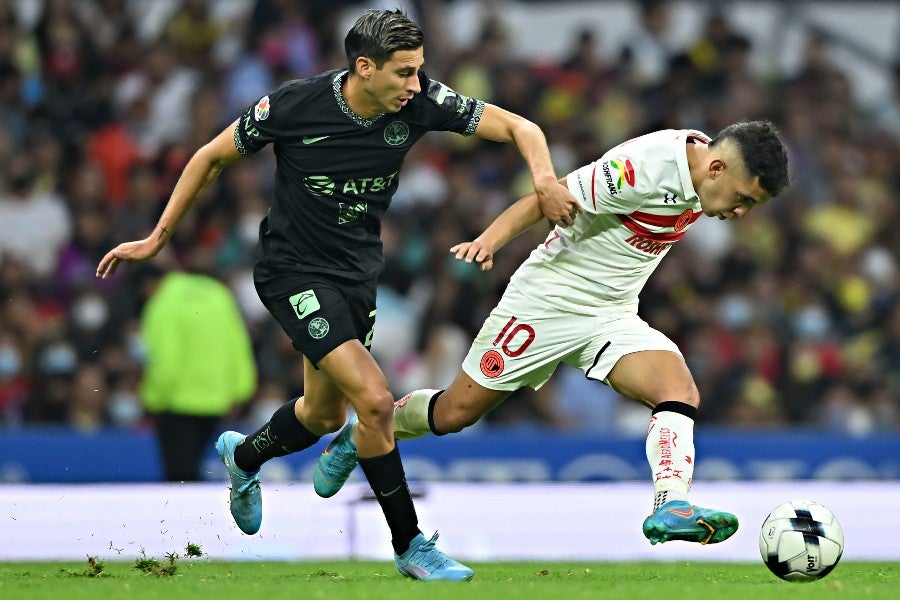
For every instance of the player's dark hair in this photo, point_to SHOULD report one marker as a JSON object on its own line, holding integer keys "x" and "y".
{"x": 377, "y": 34}
{"x": 762, "y": 152}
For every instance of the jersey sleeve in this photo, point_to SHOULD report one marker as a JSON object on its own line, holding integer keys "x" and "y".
{"x": 610, "y": 185}
{"x": 261, "y": 123}
{"x": 447, "y": 110}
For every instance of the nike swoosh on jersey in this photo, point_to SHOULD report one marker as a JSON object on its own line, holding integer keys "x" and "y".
{"x": 314, "y": 139}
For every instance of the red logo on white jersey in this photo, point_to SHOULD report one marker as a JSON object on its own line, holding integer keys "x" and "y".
{"x": 492, "y": 364}
{"x": 684, "y": 219}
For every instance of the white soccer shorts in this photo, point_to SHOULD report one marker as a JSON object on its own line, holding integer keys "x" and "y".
{"x": 521, "y": 343}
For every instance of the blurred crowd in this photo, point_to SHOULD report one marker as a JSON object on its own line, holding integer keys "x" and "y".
{"x": 789, "y": 317}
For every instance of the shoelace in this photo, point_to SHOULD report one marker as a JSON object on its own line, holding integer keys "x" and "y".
{"x": 428, "y": 557}
{"x": 341, "y": 459}
{"x": 249, "y": 486}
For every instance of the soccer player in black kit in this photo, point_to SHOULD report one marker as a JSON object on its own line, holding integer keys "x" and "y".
{"x": 339, "y": 140}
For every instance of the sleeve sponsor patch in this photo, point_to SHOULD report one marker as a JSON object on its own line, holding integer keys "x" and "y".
{"x": 261, "y": 110}
{"x": 618, "y": 172}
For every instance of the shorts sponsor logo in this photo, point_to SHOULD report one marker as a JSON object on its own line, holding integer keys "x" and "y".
{"x": 492, "y": 364}
{"x": 318, "y": 328}
{"x": 396, "y": 133}
{"x": 683, "y": 220}
{"x": 261, "y": 110}
{"x": 304, "y": 303}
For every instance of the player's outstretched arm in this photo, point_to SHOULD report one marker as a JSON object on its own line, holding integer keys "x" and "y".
{"x": 556, "y": 201}
{"x": 519, "y": 217}
{"x": 203, "y": 167}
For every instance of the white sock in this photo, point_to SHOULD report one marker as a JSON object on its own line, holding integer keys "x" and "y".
{"x": 670, "y": 452}
{"x": 411, "y": 414}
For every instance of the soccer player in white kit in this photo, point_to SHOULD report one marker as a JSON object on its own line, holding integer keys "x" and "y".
{"x": 575, "y": 300}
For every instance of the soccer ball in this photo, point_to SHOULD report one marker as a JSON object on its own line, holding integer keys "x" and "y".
{"x": 801, "y": 540}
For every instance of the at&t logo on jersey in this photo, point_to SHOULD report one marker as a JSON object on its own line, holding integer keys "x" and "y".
{"x": 617, "y": 172}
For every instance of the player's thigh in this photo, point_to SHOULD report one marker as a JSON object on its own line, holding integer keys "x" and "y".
{"x": 654, "y": 376}
{"x": 323, "y": 407}
{"x": 636, "y": 360}
{"x": 346, "y": 375}
{"x": 351, "y": 370}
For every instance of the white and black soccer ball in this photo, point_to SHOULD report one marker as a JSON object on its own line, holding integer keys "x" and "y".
{"x": 801, "y": 540}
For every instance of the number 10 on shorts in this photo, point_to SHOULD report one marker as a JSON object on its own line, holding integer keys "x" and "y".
{"x": 514, "y": 338}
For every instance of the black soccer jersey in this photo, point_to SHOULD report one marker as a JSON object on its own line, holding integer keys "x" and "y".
{"x": 336, "y": 171}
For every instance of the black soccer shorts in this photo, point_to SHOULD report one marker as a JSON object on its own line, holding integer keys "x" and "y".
{"x": 318, "y": 313}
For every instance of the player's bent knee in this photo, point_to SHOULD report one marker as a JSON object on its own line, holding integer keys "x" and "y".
{"x": 689, "y": 394}
{"x": 377, "y": 409}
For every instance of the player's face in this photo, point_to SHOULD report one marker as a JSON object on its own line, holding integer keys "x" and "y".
{"x": 728, "y": 193}
{"x": 397, "y": 81}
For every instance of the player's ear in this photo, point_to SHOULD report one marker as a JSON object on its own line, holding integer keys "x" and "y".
{"x": 716, "y": 166}
{"x": 364, "y": 66}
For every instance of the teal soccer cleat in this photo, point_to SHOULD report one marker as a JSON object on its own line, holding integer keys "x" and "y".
{"x": 679, "y": 520}
{"x": 245, "y": 499}
{"x": 336, "y": 463}
{"x": 423, "y": 561}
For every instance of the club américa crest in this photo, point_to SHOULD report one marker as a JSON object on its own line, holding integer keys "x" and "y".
{"x": 396, "y": 133}
{"x": 318, "y": 328}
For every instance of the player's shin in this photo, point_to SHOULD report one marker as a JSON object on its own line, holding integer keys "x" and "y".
{"x": 670, "y": 451}
{"x": 388, "y": 481}
{"x": 411, "y": 414}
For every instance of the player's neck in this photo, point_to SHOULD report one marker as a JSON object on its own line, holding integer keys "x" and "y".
{"x": 696, "y": 159}
{"x": 358, "y": 99}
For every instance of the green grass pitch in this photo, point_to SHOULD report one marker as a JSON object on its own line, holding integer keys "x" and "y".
{"x": 204, "y": 579}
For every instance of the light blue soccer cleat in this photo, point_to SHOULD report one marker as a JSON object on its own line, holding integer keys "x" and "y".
{"x": 336, "y": 463}
{"x": 679, "y": 520}
{"x": 424, "y": 561}
{"x": 245, "y": 499}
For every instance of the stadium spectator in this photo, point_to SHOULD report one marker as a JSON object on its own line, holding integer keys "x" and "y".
{"x": 36, "y": 224}
{"x": 199, "y": 364}
{"x": 771, "y": 247}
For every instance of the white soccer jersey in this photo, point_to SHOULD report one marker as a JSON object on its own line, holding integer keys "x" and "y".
{"x": 638, "y": 200}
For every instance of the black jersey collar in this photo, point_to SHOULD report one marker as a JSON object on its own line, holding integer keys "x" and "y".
{"x": 345, "y": 108}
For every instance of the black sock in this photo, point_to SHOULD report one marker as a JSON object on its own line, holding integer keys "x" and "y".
{"x": 388, "y": 481}
{"x": 282, "y": 435}
{"x": 676, "y": 407}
